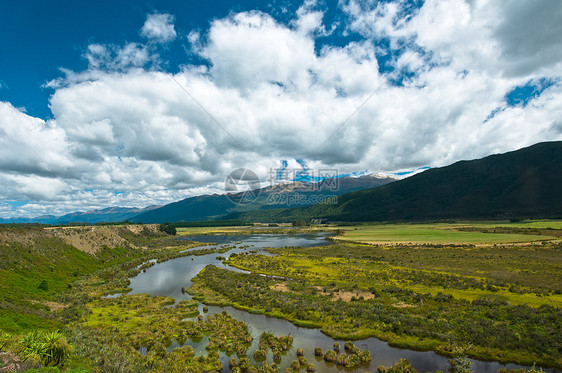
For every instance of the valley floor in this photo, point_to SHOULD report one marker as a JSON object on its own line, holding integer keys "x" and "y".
{"x": 486, "y": 290}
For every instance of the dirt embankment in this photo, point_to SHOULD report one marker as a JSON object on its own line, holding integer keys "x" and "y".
{"x": 89, "y": 239}
{"x": 93, "y": 238}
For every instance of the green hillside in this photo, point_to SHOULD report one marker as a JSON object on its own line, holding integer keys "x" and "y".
{"x": 299, "y": 194}
{"x": 523, "y": 183}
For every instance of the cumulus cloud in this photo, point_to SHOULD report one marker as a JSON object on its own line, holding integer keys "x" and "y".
{"x": 37, "y": 187}
{"x": 31, "y": 145}
{"x": 114, "y": 57}
{"x": 529, "y": 35}
{"x": 159, "y": 28}
{"x": 124, "y": 134}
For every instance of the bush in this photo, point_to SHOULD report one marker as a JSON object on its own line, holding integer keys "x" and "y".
{"x": 4, "y": 340}
{"x": 295, "y": 365}
{"x": 55, "y": 348}
{"x": 43, "y": 286}
{"x": 300, "y": 223}
{"x": 260, "y": 355}
{"x": 168, "y": 228}
{"x": 330, "y": 356}
{"x": 51, "y": 348}
{"x": 402, "y": 366}
{"x": 460, "y": 365}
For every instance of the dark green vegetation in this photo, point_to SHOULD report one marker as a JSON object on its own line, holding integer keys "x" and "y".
{"x": 352, "y": 357}
{"x": 168, "y": 228}
{"x": 501, "y": 303}
{"x": 142, "y": 322}
{"x": 524, "y": 183}
{"x": 211, "y": 223}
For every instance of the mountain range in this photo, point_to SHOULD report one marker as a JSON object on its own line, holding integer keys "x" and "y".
{"x": 526, "y": 183}
{"x": 108, "y": 215}
{"x": 209, "y": 207}
{"x": 294, "y": 194}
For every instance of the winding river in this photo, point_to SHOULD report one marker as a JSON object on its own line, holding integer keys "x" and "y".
{"x": 168, "y": 278}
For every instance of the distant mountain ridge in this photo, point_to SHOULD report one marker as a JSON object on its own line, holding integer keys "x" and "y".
{"x": 209, "y": 207}
{"x": 107, "y": 215}
{"x": 522, "y": 183}
{"x": 298, "y": 194}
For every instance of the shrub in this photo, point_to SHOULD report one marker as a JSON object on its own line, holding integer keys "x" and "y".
{"x": 330, "y": 356}
{"x": 4, "y": 340}
{"x": 402, "y": 366}
{"x": 55, "y": 348}
{"x": 43, "y": 286}
{"x": 260, "y": 355}
{"x": 295, "y": 365}
{"x": 168, "y": 228}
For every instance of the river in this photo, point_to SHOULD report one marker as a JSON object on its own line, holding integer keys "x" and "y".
{"x": 168, "y": 278}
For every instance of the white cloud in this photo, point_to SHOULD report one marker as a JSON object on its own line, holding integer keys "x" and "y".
{"x": 113, "y": 57}
{"x": 121, "y": 127}
{"x": 529, "y": 35}
{"x": 159, "y": 27}
{"x": 31, "y": 145}
{"x": 251, "y": 48}
{"x": 37, "y": 187}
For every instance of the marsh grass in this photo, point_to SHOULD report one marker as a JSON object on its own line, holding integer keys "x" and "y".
{"x": 418, "y": 302}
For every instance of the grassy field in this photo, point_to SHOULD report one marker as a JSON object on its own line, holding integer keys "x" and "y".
{"x": 533, "y": 224}
{"x": 282, "y": 229}
{"x": 441, "y": 233}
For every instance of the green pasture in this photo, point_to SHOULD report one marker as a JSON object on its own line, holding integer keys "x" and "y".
{"x": 440, "y": 233}
{"x": 531, "y": 224}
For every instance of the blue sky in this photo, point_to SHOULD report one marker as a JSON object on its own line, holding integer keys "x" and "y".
{"x": 38, "y": 38}
{"x": 132, "y": 104}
